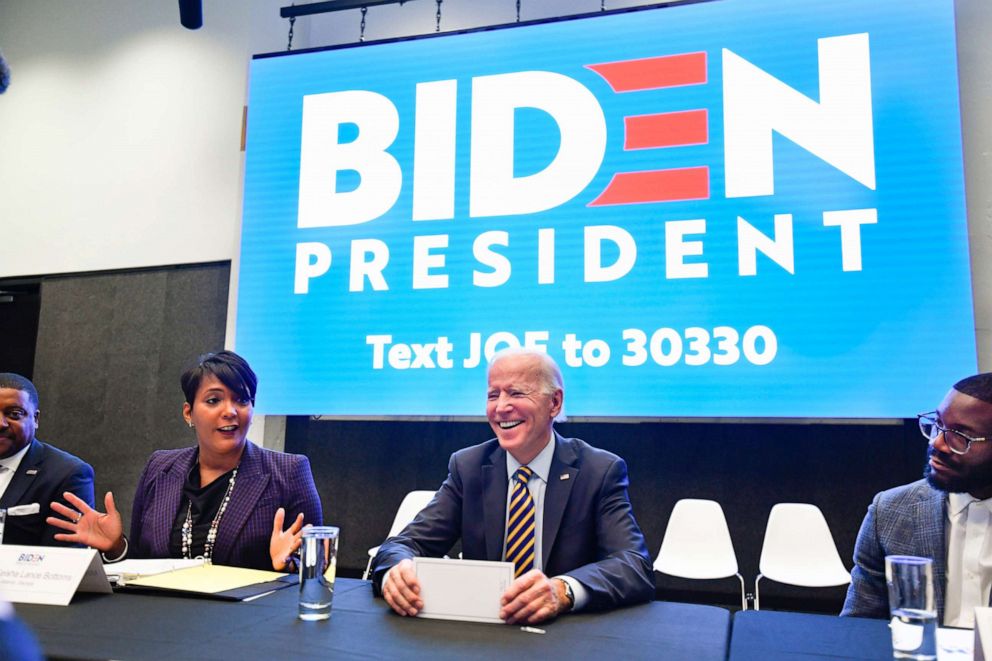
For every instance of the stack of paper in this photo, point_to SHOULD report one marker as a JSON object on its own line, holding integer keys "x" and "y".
{"x": 121, "y": 573}
{"x": 236, "y": 583}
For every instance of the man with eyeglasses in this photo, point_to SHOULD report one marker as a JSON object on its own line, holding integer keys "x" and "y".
{"x": 946, "y": 516}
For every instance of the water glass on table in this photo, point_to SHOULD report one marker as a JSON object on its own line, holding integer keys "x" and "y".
{"x": 318, "y": 565}
{"x": 912, "y": 606}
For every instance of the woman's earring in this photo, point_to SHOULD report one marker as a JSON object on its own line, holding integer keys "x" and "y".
{"x": 190, "y": 423}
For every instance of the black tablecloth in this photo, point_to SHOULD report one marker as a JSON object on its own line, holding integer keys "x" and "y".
{"x": 770, "y": 635}
{"x": 147, "y": 626}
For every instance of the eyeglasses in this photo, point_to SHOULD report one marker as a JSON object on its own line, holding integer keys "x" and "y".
{"x": 958, "y": 442}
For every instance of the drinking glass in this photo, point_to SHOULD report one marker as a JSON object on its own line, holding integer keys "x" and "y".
{"x": 912, "y": 607}
{"x": 318, "y": 564}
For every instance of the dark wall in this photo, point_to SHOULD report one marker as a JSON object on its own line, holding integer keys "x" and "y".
{"x": 110, "y": 351}
{"x": 363, "y": 469}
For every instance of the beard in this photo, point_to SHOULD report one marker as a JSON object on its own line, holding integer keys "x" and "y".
{"x": 938, "y": 482}
{"x": 963, "y": 479}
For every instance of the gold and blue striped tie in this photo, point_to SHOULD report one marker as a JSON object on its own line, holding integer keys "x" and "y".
{"x": 520, "y": 524}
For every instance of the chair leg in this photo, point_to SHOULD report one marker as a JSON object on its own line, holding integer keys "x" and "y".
{"x": 757, "y": 594}
{"x": 368, "y": 568}
{"x": 743, "y": 597}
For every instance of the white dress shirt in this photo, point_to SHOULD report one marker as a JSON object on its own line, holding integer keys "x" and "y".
{"x": 11, "y": 464}
{"x": 969, "y": 558}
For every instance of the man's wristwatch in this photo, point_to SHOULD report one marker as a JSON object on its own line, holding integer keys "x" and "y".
{"x": 568, "y": 595}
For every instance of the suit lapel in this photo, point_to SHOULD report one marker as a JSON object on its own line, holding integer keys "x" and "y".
{"x": 27, "y": 472}
{"x": 165, "y": 505}
{"x": 494, "y": 485}
{"x": 249, "y": 485}
{"x": 556, "y": 495}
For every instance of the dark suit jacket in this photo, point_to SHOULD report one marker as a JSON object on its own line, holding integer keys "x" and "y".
{"x": 266, "y": 481}
{"x": 44, "y": 475}
{"x": 906, "y": 520}
{"x": 589, "y": 531}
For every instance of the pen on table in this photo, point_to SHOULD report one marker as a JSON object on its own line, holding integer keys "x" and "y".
{"x": 532, "y": 630}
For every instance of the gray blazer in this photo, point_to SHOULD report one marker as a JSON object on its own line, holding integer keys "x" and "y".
{"x": 906, "y": 520}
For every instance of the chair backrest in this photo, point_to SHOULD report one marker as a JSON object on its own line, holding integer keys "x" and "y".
{"x": 799, "y": 549}
{"x": 412, "y": 503}
{"x": 697, "y": 543}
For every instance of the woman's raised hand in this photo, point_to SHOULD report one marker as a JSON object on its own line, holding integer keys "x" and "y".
{"x": 284, "y": 542}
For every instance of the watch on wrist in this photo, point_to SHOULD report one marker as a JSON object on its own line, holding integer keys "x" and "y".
{"x": 569, "y": 595}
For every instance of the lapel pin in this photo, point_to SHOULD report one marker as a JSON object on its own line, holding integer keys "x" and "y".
{"x": 564, "y": 476}
{"x": 31, "y": 471}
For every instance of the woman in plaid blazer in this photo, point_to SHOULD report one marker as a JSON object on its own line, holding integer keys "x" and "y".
{"x": 224, "y": 499}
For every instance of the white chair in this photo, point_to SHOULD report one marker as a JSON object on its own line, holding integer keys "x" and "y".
{"x": 412, "y": 503}
{"x": 799, "y": 550}
{"x": 697, "y": 544}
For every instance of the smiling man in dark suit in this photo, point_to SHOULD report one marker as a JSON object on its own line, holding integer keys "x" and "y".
{"x": 32, "y": 473}
{"x": 556, "y": 507}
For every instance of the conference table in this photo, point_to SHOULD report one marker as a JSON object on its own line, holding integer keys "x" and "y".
{"x": 774, "y": 635}
{"x": 128, "y": 625}
{"x": 779, "y": 636}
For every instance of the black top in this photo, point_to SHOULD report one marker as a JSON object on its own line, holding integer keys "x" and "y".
{"x": 206, "y": 502}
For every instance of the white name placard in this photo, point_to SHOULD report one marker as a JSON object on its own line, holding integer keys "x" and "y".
{"x": 983, "y": 634}
{"x": 467, "y": 590}
{"x": 49, "y": 575}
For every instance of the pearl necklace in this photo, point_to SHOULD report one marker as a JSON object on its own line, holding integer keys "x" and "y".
{"x": 208, "y": 546}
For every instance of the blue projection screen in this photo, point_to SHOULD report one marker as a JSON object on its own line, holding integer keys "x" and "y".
{"x": 741, "y": 208}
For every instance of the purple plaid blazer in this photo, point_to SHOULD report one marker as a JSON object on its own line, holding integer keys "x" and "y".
{"x": 266, "y": 481}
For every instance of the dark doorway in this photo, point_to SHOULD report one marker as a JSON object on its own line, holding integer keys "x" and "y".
{"x": 20, "y": 305}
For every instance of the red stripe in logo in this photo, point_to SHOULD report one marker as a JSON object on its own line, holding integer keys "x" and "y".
{"x": 666, "y": 130}
{"x": 656, "y": 186}
{"x": 660, "y": 130}
{"x": 653, "y": 72}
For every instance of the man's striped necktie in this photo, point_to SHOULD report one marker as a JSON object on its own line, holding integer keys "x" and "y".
{"x": 520, "y": 524}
